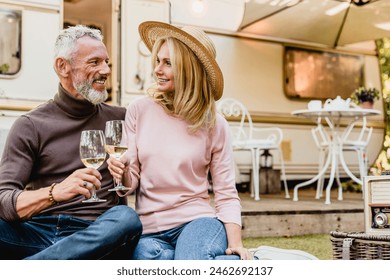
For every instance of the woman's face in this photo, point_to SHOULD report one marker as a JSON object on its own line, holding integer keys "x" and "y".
{"x": 163, "y": 70}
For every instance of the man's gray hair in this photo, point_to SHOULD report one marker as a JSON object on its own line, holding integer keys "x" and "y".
{"x": 67, "y": 38}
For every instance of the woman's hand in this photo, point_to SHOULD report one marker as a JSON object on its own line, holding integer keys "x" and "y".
{"x": 235, "y": 246}
{"x": 241, "y": 251}
{"x": 116, "y": 168}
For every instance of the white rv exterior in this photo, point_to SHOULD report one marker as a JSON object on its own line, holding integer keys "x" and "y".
{"x": 253, "y": 70}
{"x": 34, "y": 81}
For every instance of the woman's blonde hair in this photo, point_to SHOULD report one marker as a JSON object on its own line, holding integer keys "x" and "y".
{"x": 192, "y": 100}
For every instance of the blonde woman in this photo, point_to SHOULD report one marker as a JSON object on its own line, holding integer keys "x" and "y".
{"x": 176, "y": 139}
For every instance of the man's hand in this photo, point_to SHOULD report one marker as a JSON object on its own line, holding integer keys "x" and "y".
{"x": 79, "y": 182}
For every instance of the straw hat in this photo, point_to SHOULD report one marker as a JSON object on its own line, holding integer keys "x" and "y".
{"x": 194, "y": 38}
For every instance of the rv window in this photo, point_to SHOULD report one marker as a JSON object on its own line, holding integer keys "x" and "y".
{"x": 10, "y": 30}
{"x": 320, "y": 75}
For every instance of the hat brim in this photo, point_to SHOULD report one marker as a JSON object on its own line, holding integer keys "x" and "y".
{"x": 150, "y": 31}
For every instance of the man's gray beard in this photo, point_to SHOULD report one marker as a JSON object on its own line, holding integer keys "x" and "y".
{"x": 93, "y": 96}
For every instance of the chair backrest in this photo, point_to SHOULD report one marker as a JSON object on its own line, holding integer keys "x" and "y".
{"x": 363, "y": 136}
{"x": 230, "y": 107}
{"x": 244, "y": 133}
{"x": 320, "y": 136}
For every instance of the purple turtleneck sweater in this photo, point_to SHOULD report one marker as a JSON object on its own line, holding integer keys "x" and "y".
{"x": 43, "y": 147}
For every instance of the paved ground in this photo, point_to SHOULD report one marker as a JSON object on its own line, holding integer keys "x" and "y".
{"x": 307, "y": 202}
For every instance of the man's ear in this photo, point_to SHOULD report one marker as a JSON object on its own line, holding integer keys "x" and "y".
{"x": 62, "y": 67}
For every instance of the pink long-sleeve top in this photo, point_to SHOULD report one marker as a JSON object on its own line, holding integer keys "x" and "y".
{"x": 169, "y": 166}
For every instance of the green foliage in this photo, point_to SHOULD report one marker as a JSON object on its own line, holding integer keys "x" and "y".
{"x": 351, "y": 186}
{"x": 383, "y": 49}
{"x": 4, "y": 68}
{"x": 363, "y": 94}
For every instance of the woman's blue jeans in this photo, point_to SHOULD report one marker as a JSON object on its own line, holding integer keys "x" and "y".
{"x": 201, "y": 239}
{"x": 113, "y": 235}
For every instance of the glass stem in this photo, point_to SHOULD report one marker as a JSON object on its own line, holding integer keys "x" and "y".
{"x": 93, "y": 192}
{"x": 117, "y": 181}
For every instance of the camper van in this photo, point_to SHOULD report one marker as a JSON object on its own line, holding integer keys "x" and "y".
{"x": 28, "y": 30}
{"x": 255, "y": 69}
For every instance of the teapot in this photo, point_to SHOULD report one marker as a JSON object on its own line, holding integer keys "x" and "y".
{"x": 337, "y": 104}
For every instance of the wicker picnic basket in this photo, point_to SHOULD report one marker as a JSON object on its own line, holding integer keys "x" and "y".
{"x": 360, "y": 246}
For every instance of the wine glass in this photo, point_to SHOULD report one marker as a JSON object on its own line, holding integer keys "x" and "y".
{"x": 92, "y": 154}
{"x": 116, "y": 145}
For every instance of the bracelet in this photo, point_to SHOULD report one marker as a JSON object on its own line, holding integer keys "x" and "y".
{"x": 51, "y": 198}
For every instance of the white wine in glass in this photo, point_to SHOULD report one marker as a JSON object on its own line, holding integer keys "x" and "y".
{"x": 116, "y": 145}
{"x": 93, "y": 162}
{"x": 92, "y": 154}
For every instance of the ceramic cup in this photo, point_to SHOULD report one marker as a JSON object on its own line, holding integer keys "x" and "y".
{"x": 314, "y": 105}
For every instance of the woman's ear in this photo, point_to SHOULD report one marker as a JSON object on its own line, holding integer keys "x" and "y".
{"x": 62, "y": 67}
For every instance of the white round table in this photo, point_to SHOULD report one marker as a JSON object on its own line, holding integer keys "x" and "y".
{"x": 333, "y": 118}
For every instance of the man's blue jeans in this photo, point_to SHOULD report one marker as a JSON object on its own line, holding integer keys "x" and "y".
{"x": 201, "y": 239}
{"x": 113, "y": 235}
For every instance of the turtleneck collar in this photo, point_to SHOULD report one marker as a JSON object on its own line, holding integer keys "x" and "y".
{"x": 73, "y": 106}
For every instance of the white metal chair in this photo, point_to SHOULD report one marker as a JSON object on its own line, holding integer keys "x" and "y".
{"x": 246, "y": 137}
{"x": 358, "y": 144}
